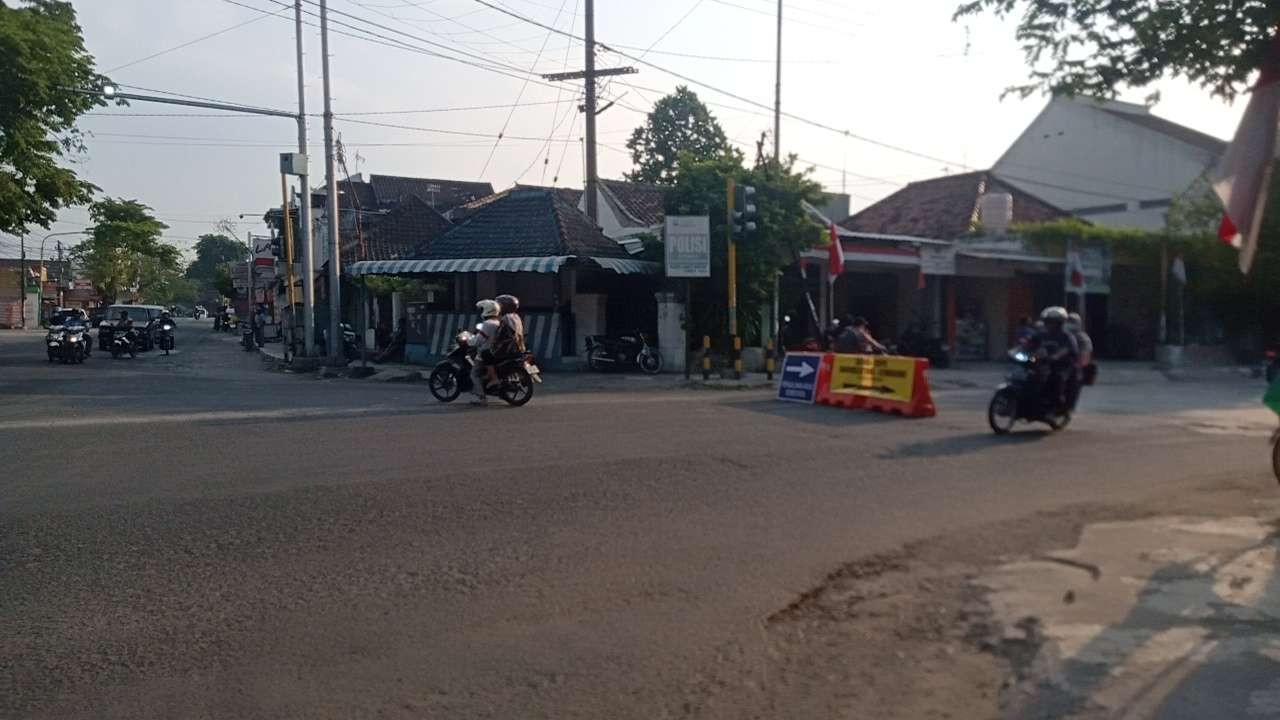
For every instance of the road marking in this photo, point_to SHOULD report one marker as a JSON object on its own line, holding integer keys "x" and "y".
{"x": 211, "y": 416}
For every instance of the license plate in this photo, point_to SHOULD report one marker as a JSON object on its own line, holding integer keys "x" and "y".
{"x": 534, "y": 372}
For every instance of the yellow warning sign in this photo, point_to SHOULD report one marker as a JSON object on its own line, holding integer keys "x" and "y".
{"x": 883, "y": 376}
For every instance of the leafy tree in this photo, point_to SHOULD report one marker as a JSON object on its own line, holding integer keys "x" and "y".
{"x": 42, "y": 60}
{"x": 1093, "y": 46}
{"x": 678, "y": 124}
{"x": 222, "y": 282}
{"x": 124, "y": 252}
{"x": 213, "y": 251}
{"x": 784, "y": 229}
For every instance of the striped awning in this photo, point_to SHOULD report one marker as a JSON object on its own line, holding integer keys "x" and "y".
{"x": 622, "y": 266}
{"x": 627, "y": 266}
{"x": 466, "y": 265}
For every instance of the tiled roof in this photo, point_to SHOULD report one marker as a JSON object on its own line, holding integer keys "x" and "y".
{"x": 1195, "y": 138}
{"x": 642, "y": 203}
{"x": 440, "y": 194}
{"x": 523, "y": 222}
{"x": 409, "y": 229}
{"x": 351, "y": 194}
{"x": 943, "y": 208}
{"x": 573, "y": 196}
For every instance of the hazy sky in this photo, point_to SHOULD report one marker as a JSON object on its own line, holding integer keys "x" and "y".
{"x": 900, "y": 73}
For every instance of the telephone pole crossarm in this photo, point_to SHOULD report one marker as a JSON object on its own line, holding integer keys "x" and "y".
{"x": 582, "y": 74}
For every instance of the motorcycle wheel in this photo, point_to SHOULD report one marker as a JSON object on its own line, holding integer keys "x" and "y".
{"x": 1002, "y": 413}
{"x": 1275, "y": 454}
{"x": 519, "y": 392}
{"x": 650, "y": 362}
{"x": 1059, "y": 421}
{"x": 594, "y": 361}
{"x": 444, "y": 384}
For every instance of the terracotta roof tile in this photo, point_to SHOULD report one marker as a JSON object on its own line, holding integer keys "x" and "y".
{"x": 643, "y": 203}
{"x": 943, "y": 208}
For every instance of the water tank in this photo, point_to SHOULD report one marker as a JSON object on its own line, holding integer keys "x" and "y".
{"x": 995, "y": 212}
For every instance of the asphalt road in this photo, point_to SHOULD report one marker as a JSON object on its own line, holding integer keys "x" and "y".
{"x": 192, "y": 536}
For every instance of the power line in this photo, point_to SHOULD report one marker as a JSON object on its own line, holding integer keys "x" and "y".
{"x": 459, "y": 108}
{"x": 727, "y": 93}
{"x": 465, "y": 133}
{"x": 520, "y": 95}
{"x": 189, "y": 43}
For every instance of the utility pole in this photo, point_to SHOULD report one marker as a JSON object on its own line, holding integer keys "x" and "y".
{"x": 61, "y": 272}
{"x": 22, "y": 277}
{"x": 304, "y": 209}
{"x": 777, "y": 95}
{"x": 331, "y": 197}
{"x": 588, "y": 76}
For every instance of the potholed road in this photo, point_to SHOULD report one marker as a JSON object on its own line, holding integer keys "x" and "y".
{"x": 192, "y": 536}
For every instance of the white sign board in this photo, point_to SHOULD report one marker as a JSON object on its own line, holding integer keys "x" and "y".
{"x": 687, "y": 239}
{"x": 937, "y": 260}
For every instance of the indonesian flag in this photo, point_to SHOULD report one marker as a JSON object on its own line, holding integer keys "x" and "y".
{"x": 836, "y": 258}
{"x": 1075, "y": 273}
{"x": 1244, "y": 173}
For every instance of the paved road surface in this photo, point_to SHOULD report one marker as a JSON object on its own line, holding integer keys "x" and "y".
{"x": 190, "y": 536}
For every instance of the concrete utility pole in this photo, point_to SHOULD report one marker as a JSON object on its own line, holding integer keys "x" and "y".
{"x": 777, "y": 95}
{"x": 22, "y": 278}
{"x": 304, "y": 208}
{"x": 588, "y": 76}
{"x": 331, "y": 198}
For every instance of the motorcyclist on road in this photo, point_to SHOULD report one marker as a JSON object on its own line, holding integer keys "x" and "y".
{"x": 125, "y": 326}
{"x": 856, "y": 338}
{"x": 510, "y": 339}
{"x": 1061, "y": 350}
{"x": 485, "y": 338}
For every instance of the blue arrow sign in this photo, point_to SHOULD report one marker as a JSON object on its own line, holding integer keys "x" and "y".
{"x": 799, "y": 380}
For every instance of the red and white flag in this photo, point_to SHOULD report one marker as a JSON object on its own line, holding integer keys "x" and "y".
{"x": 836, "y": 258}
{"x": 1075, "y": 273}
{"x": 1244, "y": 172}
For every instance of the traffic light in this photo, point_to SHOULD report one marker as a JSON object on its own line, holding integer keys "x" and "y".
{"x": 744, "y": 210}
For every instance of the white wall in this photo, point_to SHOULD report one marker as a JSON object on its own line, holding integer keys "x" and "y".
{"x": 1074, "y": 156}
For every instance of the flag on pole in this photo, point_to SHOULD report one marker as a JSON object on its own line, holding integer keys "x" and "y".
{"x": 836, "y": 258}
{"x": 1244, "y": 172}
{"x": 1075, "y": 273}
{"x": 1179, "y": 270}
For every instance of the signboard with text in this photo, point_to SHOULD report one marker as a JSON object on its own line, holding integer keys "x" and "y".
{"x": 886, "y": 376}
{"x": 687, "y": 241}
{"x": 798, "y": 381}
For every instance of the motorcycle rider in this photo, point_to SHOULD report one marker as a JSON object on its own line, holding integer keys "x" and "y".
{"x": 856, "y": 338}
{"x": 1075, "y": 326}
{"x": 485, "y": 338}
{"x": 125, "y": 326}
{"x": 1061, "y": 350}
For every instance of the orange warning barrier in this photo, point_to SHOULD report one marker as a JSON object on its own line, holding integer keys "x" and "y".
{"x": 884, "y": 383}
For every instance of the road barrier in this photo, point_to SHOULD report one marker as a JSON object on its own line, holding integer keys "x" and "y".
{"x": 884, "y": 383}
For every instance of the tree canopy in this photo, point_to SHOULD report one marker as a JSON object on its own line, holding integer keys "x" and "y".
{"x": 124, "y": 253}
{"x": 213, "y": 251}
{"x": 784, "y": 229}
{"x": 679, "y": 124}
{"x": 42, "y": 61}
{"x": 1092, "y": 47}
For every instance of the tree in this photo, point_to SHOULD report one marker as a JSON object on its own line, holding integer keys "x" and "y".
{"x": 43, "y": 61}
{"x": 1092, "y": 47}
{"x": 124, "y": 252}
{"x": 784, "y": 229}
{"x": 678, "y": 124}
{"x": 213, "y": 251}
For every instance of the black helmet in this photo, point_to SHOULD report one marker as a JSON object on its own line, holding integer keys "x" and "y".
{"x": 508, "y": 303}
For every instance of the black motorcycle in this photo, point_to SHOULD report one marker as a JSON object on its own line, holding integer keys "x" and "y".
{"x": 918, "y": 342}
{"x": 451, "y": 377}
{"x": 350, "y": 348}
{"x": 68, "y": 343}
{"x": 126, "y": 343}
{"x": 246, "y": 337}
{"x": 164, "y": 335}
{"x": 1029, "y": 395}
{"x": 625, "y": 351}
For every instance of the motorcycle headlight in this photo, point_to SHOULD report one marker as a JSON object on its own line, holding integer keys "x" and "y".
{"x": 167, "y": 327}
{"x": 73, "y": 338}
{"x": 1021, "y": 356}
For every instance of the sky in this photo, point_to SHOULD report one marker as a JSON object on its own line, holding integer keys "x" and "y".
{"x": 900, "y": 77}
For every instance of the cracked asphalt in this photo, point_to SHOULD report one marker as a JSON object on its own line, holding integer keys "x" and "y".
{"x": 195, "y": 537}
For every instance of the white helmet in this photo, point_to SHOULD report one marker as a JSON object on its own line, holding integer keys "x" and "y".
{"x": 1075, "y": 319}
{"x": 488, "y": 309}
{"x": 1054, "y": 312}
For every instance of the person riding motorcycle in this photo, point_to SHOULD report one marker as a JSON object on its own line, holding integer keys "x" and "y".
{"x": 125, "y": 326}
{"x": 485, "y": 338}
{"x": 856, "y": 338}
{"x": 511, "y": 328}
{"x": 1062, "y": 351}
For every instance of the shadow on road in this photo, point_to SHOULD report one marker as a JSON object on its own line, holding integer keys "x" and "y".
{"x": 964, "y": 444}
{"x": 817, "y": 414}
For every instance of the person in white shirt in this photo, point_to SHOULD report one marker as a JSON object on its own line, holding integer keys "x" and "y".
{"x": 485, "y": 337}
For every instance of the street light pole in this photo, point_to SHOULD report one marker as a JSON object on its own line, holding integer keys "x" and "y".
{"x": 304, "y": 208}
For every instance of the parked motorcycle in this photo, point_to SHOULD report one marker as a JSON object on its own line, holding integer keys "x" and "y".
{"x": 451, "y": 377}
{"x": 164, "y": 336}
{"x": 246, "y": 337}
{"x": 350, "y": 348}
{"x": 1028, "y": 395}
{"x": 123, "y": 343}
{"x": 628, "y": 350}
{"x": 917, "y": 342}
{"x": 68, "y": 343}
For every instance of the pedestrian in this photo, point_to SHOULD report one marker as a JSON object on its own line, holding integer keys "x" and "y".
{"x": 260, "y": 320}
